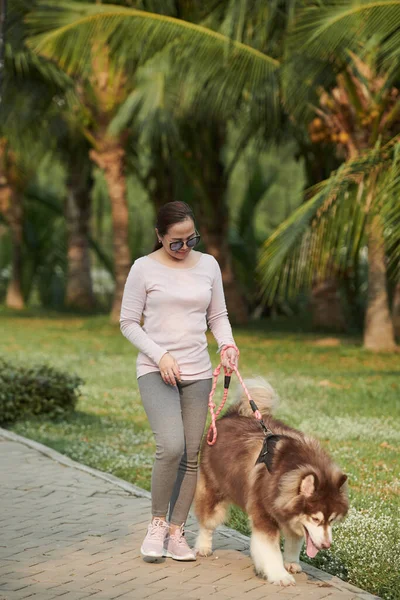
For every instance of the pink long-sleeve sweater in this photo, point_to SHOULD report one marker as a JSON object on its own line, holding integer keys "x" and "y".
{"x": 176, "y": 305}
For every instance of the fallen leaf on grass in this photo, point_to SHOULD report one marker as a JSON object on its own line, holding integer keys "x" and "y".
{"x": 388, "y": 446}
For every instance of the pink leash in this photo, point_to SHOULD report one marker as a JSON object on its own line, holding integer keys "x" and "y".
{"x": 212, "y": 432}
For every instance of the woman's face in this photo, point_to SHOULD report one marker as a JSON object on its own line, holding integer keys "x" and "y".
{"x": 179, "y": 232}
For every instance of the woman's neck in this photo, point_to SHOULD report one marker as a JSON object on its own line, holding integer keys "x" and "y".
{"x": 178, "y": 263}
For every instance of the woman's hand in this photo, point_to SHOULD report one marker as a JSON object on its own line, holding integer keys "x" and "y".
{"x": 229, "y": 358}
{"x": 169, "y": 369}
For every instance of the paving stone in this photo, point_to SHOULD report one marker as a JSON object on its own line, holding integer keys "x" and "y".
{"x": 20, "y": 595}
{"x": 271, "y": 591}
{"x": 72, "y": 596}
{"x": 15, "y": 594}
{"x": 70, "y": 535}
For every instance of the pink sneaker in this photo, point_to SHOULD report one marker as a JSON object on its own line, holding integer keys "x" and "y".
{"x": 176, "y": 546}
{"x": 153, "y": 543}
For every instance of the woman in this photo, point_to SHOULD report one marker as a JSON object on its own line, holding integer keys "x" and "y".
{"x": 178, "y": 291}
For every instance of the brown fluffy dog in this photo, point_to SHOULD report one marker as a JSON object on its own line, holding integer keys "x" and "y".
{"x": 302, "y": 496}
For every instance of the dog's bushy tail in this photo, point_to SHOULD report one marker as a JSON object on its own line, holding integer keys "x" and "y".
{"x": 261, "y": 392}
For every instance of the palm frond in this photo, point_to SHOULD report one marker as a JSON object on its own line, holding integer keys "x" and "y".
{"x": 388, "y": 199}
{"x": 326, "y": 233}
{"x": 23, "y": 63}
{"x": 335, "y": 26}
{"x": 34, "y": 90}
{"x": 66, "y": 32}
{"x": 321, "y": 37}
{"x": 20, "y": 62}
{"x": 152, "y": 108}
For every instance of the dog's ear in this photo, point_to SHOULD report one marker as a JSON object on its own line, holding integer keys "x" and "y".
{"x": 342, "y": 480}
{"x": 308, "y": 485}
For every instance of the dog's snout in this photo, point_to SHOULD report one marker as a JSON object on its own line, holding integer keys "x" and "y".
{"x": 326, "y": 544}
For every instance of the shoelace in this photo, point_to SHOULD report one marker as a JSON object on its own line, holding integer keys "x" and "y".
{"x": 157, "y": 529}
{"x": 179, "y": 536}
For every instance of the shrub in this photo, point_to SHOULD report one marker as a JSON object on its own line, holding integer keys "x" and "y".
{"x": 35, "y": 390}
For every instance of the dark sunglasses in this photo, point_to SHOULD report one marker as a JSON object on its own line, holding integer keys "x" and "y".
{"x": 190, "y": 243}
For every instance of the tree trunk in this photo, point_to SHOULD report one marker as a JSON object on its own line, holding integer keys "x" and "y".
{"x": 379, "y": 330}
{"x": 79, "y": 293}
{"x": 12, "y": 208}
{"x": 111, "y": 160}
{"x": 396, "y": 310}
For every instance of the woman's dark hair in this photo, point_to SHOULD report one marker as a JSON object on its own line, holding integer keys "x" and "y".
{"x": 170, "y": 214}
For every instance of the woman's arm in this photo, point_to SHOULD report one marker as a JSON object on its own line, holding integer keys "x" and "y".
{"x": 133, "y": 303}
{"x": 217, "y": 314}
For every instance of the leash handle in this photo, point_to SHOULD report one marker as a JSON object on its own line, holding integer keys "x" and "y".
{"x": 212, "y": 431}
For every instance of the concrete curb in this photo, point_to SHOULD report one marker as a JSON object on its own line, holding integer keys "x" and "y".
{"x": 140, "y": 493}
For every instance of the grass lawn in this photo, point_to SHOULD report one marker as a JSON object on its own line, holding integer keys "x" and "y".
{"x": 347, "y": 397}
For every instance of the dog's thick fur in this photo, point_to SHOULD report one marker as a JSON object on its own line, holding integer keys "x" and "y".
{"x": 302, "y": 496}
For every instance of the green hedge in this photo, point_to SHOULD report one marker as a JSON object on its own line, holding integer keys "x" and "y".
{"x": 35, "y": 390}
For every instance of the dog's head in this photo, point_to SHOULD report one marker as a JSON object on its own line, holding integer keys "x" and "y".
{"x": 324, "y": 504}
{"x": 313, "y": 502}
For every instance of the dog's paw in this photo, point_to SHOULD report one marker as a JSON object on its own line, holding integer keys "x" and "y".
{"x": 282, "y": 578}
{"x": 293, "y": 567}
{"x": 203, "y": 545}
{"x": 203, "y": 551}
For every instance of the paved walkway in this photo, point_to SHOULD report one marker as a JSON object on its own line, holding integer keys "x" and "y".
{"x": 70, "y": 532}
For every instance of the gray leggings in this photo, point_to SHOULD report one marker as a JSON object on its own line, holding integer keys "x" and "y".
{"x": 177, "y": 416}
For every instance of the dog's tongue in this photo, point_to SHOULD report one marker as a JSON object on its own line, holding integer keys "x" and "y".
{"x": 311, "y": 548}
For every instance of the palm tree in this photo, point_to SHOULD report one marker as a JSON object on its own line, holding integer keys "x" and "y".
{"x": 128, "y": 38}
{"x": 10, "y": 204}
{"x": 66, "y": 32}
{"x": 356, "y": 107}
{"x": 33, "y": 92}
{"x": 101, "y": 95}
{"x": 360, "y": 108}
{"x": 380, "y": 18}
{"x": 21, "y": 147}
{"x": 11, "y": 207}
{"x": 175, "y": 157}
